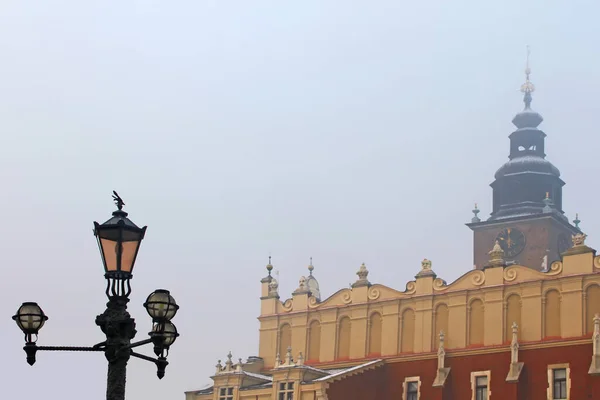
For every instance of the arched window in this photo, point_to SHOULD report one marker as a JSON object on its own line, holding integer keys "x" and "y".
{"x": 552, "y": 314}
{"x": 592, "y": 306}
{"x": 375, "y": 334}
{"x": 344, "y": 338}
{"x": 285, "y": 339}
{"x": 408, "y": 331}
{"x": 441, "y": 324}
{"x": 476, "y": 323}
{"x": 314, "y": 341}
{"x": 513, "y": 314}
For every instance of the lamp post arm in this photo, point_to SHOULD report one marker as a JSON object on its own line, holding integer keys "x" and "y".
{"x": 143, "y": 357}
{"x": 161, "y": 362}
{"x": 140, "y": 343}
{"x": 68, "y": 348}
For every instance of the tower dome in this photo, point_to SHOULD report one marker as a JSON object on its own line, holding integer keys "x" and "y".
{"x": 527, "y": 178}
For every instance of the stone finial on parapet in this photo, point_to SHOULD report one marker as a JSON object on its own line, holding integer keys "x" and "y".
{"x": 274, "y": 288}
{"x": 578, "y": 239}
{"x": 442, "y": 371}
{"x": 475, "y": 218}
{"x": 229, "y": 363}
{"x": 300, "y": 360}
{"x": 515, "y": 366}
{"x": 496, "y": 256}
{"x": 362, "y": 280}
{"x": 269, "y": 284}
{"x": 288, "y": 357}
{"x": 579, "y": 246}
{"x": 219, "y": 367}
{"x": 595, "y": 366}
{"x": 302, "y": 286}
{"x": 425, "y": 269}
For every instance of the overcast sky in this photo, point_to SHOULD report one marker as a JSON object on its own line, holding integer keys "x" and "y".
{"x": 344, "y": 130}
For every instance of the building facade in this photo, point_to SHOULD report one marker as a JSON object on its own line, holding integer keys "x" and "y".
{"x": 523, "y": 324}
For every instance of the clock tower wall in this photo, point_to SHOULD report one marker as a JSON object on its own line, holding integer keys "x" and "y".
{"x": 541, "y": 238}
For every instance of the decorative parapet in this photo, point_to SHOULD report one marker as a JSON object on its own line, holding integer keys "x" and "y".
{"x": 473, "y": 279}
{"x": 442, "y": 371}
{"x": 515, "y": 366}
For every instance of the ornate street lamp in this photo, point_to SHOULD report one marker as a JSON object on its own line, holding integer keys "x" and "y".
{"x": 119, "y": 241}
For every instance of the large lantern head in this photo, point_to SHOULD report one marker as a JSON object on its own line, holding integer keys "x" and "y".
{"x": 119, "y": 240}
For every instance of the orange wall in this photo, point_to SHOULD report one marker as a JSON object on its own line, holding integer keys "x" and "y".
{"x": 386, "y": 382}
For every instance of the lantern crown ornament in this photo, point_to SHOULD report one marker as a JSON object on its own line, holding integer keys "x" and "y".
{"x": 119, "y": 240}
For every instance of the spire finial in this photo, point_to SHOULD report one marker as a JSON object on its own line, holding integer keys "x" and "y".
{"x": 527, "y": 88}
{"x": 547, "y": 203}
{"x": 269, "y": 266}
{"x": 475, "y": 216}
{"x": 576, "y": 221}
{"x": 310, "y": 267}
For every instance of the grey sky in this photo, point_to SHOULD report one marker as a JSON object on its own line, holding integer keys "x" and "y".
{"x": 343, "y": 130}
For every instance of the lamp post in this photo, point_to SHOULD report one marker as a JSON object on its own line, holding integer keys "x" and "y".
{"x": 119, "y": 241}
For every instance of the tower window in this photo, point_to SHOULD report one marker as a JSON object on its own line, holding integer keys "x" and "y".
{"x": 226, "y": 393}
{"x": 286, "y": 391}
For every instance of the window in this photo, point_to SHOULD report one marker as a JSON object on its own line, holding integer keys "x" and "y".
{"x": 412, "y": 391}
{"x": 286, "y": 391}
{"x": 226, "y": 393}
{"x": 480, "y": 385}
{"x": 411, "y": 388}
{"x": 559, "y": 384}
{"x": 481, "y": 388}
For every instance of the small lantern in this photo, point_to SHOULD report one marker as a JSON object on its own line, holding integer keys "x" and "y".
{"x": 161, "y": 306}
{"x": 163, "y": 335}
{"x": 30, "y": 318}
{"x": 119, "y": 240}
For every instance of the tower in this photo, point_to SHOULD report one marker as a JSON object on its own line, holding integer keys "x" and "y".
{"x": 527, "y": 217}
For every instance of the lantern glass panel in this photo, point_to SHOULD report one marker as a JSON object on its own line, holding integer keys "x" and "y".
{"x": 109, "y": 253}
{"x": 129, "y": 250}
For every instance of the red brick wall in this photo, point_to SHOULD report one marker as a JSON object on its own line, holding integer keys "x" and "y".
{"x": 369, "y": 385}
{"x": 386, "y": 382}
